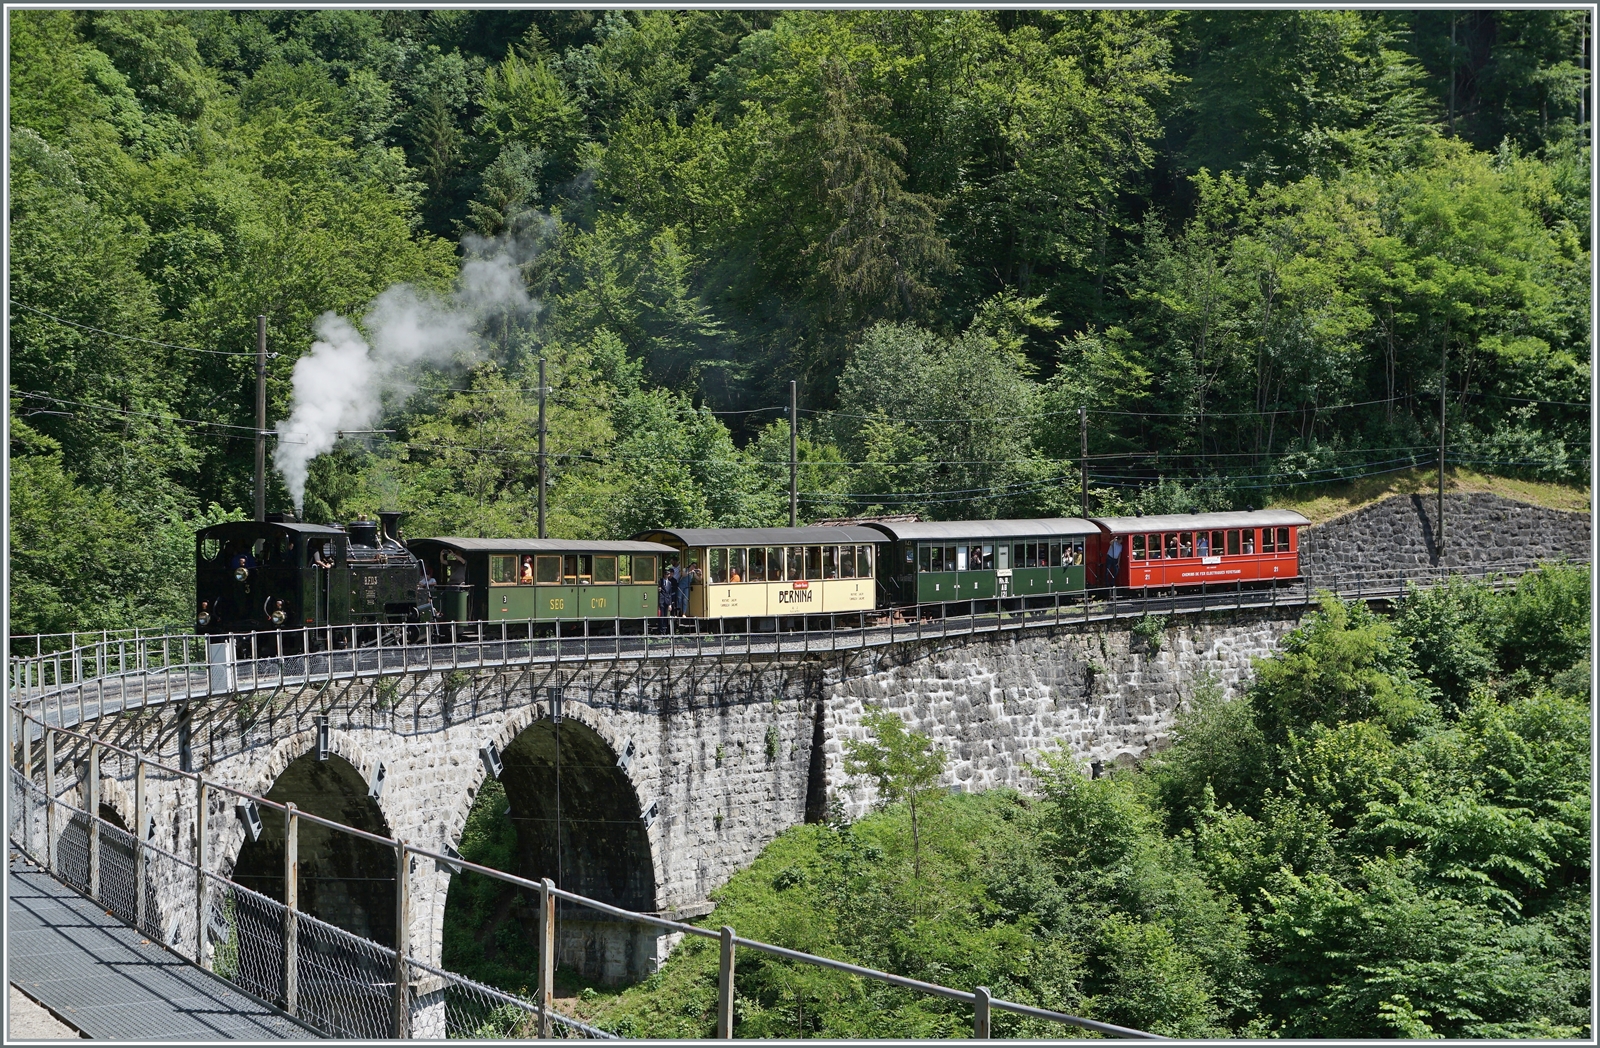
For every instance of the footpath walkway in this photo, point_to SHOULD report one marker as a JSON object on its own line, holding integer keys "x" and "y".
{"x": 112, "y": 983}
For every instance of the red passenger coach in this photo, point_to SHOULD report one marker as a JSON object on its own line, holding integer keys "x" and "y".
{"x": 1193, "y": 549}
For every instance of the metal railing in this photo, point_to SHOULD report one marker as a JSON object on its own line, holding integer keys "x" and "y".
{"x": 333, "y": 981}
{"x": 74, "y": 685}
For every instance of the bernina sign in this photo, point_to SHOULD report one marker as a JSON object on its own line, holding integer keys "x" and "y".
{"x": 794, "y": 596}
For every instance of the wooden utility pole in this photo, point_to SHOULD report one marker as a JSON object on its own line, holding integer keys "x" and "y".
{"x": 1083, "y": 456}
{"x": 794, "y": 450}
{"x": 261, "y": 418}
{"x": 541, "y": 448}
{"x": 1444, "y": 351}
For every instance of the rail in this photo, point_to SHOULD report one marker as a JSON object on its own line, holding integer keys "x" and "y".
{"x": 81, "y": 682}
{"x": 334, "y": 981}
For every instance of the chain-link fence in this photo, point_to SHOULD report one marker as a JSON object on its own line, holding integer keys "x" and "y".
{"x": 450, "y": 1005}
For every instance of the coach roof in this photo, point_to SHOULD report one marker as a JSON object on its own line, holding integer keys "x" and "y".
{"x": 1260, "y": 518}
{"x": 807, "y": 536}
{"x": 544, "y": 545}
{"x": 959, "y": 530}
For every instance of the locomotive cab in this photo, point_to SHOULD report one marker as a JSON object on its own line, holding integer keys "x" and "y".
{"x": 253, "y": 576}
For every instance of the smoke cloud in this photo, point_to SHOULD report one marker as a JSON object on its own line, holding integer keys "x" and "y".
{"x": 340, "y": 386}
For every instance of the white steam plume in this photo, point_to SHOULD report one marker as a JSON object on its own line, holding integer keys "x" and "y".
{"x": 341, "y": 384}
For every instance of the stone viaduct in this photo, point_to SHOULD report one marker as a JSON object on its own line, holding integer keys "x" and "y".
{"x": 661, "y": 779}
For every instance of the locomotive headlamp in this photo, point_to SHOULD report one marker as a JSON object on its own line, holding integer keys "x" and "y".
{"x": 241, "y": 573}
{"x": 204, "y": 618}
{"x": 278, "y": 614}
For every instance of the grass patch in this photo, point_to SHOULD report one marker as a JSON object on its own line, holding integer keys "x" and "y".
{"x": 1323, "y": 503}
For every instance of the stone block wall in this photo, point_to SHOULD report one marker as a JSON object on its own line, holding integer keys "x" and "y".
{"x": 1097, "y": 694}
{"x": 1483, "y": 532}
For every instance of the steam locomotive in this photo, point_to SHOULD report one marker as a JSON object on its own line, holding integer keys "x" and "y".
{"x": 281, "y": 575}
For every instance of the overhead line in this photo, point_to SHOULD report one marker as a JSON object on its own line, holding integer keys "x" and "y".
{"x": 130, "y": 338}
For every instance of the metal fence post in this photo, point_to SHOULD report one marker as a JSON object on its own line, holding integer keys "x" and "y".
{"x": 291, "y": 900}
{"x": 547, "y": 954}
{"x": 402, "y": 922}
{"x": 139, "y": 817}
{"x": 201, "y": 799}
{"x": 50, "y": 801}
{"x": 725, "y": 987}
{"x": 92, "y": 806}
{"x": 27, "y": 783}
{"x": 980, "y": 1013}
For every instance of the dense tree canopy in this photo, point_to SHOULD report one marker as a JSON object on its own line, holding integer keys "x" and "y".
{"x": 1243, "y": 241}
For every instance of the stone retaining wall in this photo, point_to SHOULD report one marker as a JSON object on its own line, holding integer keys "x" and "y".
{"x": 1483, "y": 532}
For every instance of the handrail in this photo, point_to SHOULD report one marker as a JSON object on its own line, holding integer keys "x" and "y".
{"x": 405, "y": 850}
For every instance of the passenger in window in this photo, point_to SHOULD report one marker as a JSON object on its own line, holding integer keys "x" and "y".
{"x": 1186, "y": 544}
{"x": 1172, "y": 547}
{"x": 1250, "y": 541}
{"x": 1202, "y": 546}
{"x": 527, "y": 571}
{"x": 320, "y": 558}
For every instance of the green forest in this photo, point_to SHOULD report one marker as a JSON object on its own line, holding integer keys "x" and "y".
{"x": 1257, "y": 249}
{"x": 1388, "y": 835}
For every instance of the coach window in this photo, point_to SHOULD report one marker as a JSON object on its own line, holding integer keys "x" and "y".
{"x": 961, "y": 558}
{"x": 847, "y": 562}
{"x": 605, "y": 569}
{"x": 758, "y": 564}
{"x": 644, "y": 569}
{"x": 813, "y": 562}
{"x": 1137, "y": 546}
{"x": 737, "y": 570}
{"x": 1216, "y": 543}
{"x": 547, "y": 570}
{"x": 1153, "y": 544}
{"x": 1233, "y": 543}
{"x": 503, "y": 571}
{"x": 935, "y": 558}
{"x": 796, "y": 563}
{"x": 774, "y": 563}
{"x": 863, "y": 562}
{"x": 1283, "y": 540}
{"x": 719, "y": 565}
{"x": 1267, "y": 545}
{"x": 1185, "y": 543}
{"x": 924, "y": 559}
{"x": 624, "y": 568}
{"x": 1172, "y": 545}
{"x": 830, "y": 562}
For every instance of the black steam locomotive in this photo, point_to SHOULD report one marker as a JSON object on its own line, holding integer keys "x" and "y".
{"x": 253, "y": 576}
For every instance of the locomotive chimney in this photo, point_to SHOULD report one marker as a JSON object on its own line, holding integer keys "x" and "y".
{"x": 390, "y": 519}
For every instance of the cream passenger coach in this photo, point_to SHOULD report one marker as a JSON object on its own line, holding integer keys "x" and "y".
{"x": 767, "y": 572}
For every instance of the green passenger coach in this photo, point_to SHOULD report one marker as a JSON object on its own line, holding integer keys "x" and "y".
{"x": 517, "y": 580}
{"x": 933, "y": 562}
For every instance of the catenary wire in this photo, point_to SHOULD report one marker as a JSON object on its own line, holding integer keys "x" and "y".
{"x": 131, "y": 338}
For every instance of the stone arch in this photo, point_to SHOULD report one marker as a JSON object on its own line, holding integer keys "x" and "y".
{"x": 600, "y": 846}
{"x": 288, "y": 750}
